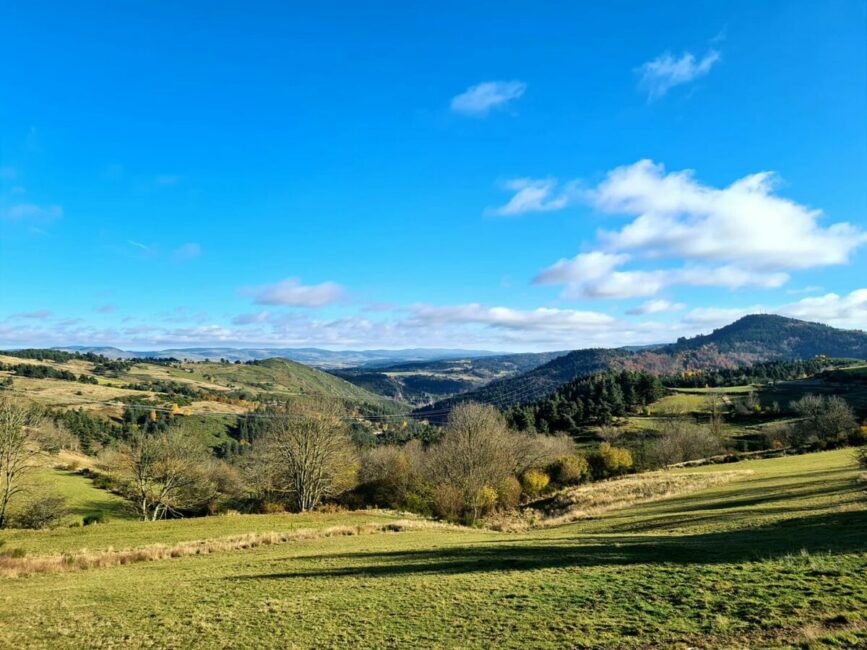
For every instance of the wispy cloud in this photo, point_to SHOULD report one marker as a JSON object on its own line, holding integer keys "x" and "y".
{"x": 38, "y": 314}
{"x": 292, "y": 293}
{"x": 249, "y": 319}
{"x": 535, "y": 195}
{"x": 107, "y": 308}
{"x": 665, "y": 72}
{"x": 145, "y": 248}
{"x": 656, "y": 307}
{"x": 479, "y": 100}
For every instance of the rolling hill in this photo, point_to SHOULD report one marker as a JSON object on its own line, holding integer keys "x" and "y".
{"x": 753, "y": 338}
{"x": 205, "y": 387}
{"x": 422, "y": 382}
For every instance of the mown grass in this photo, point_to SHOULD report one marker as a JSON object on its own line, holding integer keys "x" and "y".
{"x": 774, "y": 558}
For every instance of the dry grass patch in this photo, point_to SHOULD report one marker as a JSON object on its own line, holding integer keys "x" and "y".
{"x": 586, "y": 501}
{"x": 14, "y": 565}
{"x": 572, "y": 504}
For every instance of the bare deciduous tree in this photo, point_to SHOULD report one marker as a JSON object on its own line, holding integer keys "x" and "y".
{"x": 716, "y": 406}
{"x": 680, "y": 440}
{"x": 306, "y": 453}
{"x": 165, "y": 473}
{"x": 17, "y": 451}
{"x": 823, "y": 419}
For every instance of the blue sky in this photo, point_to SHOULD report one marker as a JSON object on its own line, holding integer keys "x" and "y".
{"x": 515, "y": 176}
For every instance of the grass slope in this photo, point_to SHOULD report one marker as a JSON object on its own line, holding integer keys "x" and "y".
{"x": 82, "y": 498}
{"x": 275, "y": 377}
{"x": 775, "y": 558}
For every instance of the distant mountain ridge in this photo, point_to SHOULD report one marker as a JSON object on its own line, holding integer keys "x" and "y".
{"x": 316, "y": 357}
{"x": 750, "y": 339}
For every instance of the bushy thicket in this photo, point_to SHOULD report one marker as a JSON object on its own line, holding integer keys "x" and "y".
{"x": 44, "y": 512}
{"x": 477, "y": 465}
{"x": 824, "y": 422}
{"x": 679, "y": 440}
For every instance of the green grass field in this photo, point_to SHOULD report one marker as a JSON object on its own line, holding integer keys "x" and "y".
{"x": 82, "y": 498}
{"x": 776, "y": 558}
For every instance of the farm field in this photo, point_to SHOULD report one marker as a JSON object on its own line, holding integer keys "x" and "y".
{"x": 774, "y": 558}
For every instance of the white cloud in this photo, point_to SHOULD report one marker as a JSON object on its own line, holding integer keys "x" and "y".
{"x": 743, "y": 235}
{"x": 850, "y": 309}
{"x": 656, "y": 307}
{"x": 744, "y": 223}
{"x": 478, "y": 100}
{"x": 665, "y": 72}
{"x": 187, "y": 252}
{"x": 107, "y": 308}
{"x": 292, "y": 293}
{"x": 543, "y": 319}
{"x": 595, "y": 275}
{"x": 534, "y": 195}
{"x": 581, "y": 268}
{"x": 718, "y": 316}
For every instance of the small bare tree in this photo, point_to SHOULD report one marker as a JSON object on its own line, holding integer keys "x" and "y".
{"x": 306, "y": 453}
{"x": 17, "y": 451}
{"x": 715, "y": 405}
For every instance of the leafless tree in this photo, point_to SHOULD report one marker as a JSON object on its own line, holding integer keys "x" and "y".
{"x": 476, "y": 451}
{"x": 165, "y": 474}
{"x": 680, "y": 440}
{"x": 306, "y": 454}
{"x": 823, "y": 418}
{"x": 17, "y": 451}
{"x": 715, "y": 405}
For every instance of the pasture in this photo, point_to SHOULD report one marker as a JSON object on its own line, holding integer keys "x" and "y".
{"x": 773, "y": 557}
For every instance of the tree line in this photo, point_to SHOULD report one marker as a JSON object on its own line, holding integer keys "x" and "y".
{"x": 757, "y": 373}
{"x": 596, "y": 399}
{"x": 46, "y": 372}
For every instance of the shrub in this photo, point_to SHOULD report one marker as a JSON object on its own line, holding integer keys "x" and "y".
{"x": 571, "y": 470}
{"x": 681, "y": 440}
{"x": 94, "y": 518}
{"x": 610, "y": 461}
{"x": 385, "y": 476}
{"x": 448, "y": 502}
{"x": 484, "y": 501}
{"x": 273, "y": 508}
{"x": 509, "y": 492}
{"x": 415, "y": 502}
{"x": 41, "y": 513}
{"x": 534, "y": 481}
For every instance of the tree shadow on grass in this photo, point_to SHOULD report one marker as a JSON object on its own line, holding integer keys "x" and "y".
{"x": 840, "y": 532}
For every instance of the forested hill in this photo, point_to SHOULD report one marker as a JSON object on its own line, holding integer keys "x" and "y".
{"x": 751, "y": 339}
{"x": 540, "y": 381}
{"x": 768, "y": 337}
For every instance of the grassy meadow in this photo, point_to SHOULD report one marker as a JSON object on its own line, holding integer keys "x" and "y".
{"x": 773, "y": 557}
